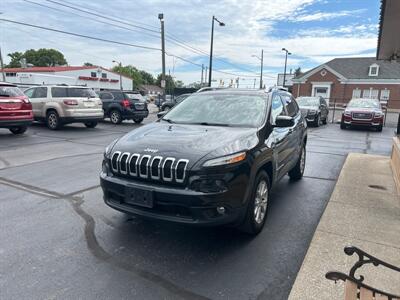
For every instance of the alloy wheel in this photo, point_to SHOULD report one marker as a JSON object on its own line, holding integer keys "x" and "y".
{"x": 114, "y": 117}
{"x": 261, "y": 202}
{"x": 52, "y": 120}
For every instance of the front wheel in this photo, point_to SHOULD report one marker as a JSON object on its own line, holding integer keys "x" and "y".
{"x": 92, "y": 124}
{"x": 379, "y": 128}
{"x": 342, "y": 125}
{"x": 317, "y": 120}
{"x": 18, "y": 130}
{"x": 297, "y": 172}
{"x": 257, "y": 206}
{"x": 138, "y": 121}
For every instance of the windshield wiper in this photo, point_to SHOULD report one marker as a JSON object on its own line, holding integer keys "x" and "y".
{"x": 4, "y": 95}
{"x": 168, "y": 120}
{"x": 211, "y": 124}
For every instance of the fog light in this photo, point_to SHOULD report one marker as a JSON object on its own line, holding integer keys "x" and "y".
{"x": 105, "y": 167}
{"x": 221, "y": 210}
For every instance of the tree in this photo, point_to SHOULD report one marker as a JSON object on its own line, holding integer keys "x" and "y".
{"x": 39, "y": 58}
{"x": 88, "y": 64}
{"x": 179, "y": 84}
{"x": 297, "y": 72}
{"x": 147, "y": 78}
{"x": 131, "y": 72}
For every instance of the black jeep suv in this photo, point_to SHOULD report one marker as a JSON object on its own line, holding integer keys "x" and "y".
{"x": 123, "y": 105}
{"x": 211, "y": 160}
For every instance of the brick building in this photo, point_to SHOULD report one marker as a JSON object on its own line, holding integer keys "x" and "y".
{"x": 342, "y": 79}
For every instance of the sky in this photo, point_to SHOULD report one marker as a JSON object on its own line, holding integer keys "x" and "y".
{"x": 314, "y": 31}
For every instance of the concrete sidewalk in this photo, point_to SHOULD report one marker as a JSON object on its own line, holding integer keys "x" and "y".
{"x": 364, "y": 211}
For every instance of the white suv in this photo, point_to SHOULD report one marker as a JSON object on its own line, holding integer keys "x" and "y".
{"x": 59, "y": 104}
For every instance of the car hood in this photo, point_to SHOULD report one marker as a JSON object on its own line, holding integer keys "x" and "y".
{"x": 362, "y": 110}
{"x": 308, "y": 107}
{"x": 182, "y": 141}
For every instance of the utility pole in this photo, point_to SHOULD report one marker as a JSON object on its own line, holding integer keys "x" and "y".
{"x": 163, "y": 82}
{"x": 120, "y": 73}
{"x": 202, "y": 71}
{"x": 211, "y": 47}
{"x": 205, "y": 76}
{"x": 284, "y": 73}
{"x": 2, "y": 66}
{"x": 261, "y": 75}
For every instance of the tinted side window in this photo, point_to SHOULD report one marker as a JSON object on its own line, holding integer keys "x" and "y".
{"x": 40, "y": 92}
{"x": 291, "y": 105}
{"x": 276, "y": 108}
{"x": 106, "y": 96}
{"x": 118, "y": 96}
{"x": 29, "y": 93}
{"x": 58, "y": 92}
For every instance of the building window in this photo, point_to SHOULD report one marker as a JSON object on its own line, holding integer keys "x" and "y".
{"x": 356, "y": 94}
{"x": 11, "y": 74}
{"x": 103, "y": 75}
{"x": 385, "y": 94}
{"x": 93, "y": 74}
{"x": 373, "y": 70}
{"x": 371, "y": 94}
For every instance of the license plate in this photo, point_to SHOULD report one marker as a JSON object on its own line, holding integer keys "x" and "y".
{"x": 89, "y": 104}
{"x": 139, "y": 197}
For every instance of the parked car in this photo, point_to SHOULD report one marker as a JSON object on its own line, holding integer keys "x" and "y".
{"x": 123, "y": 105}
{"x": 15, "y": 109}
{"x": 363, "y": 112}
{"x": 314, "y": 109}
{"x": 211, "y": 160}
{"x": 167, "y": 105}
{"x": 57, "y": 105}
{"x": 159, "y": 101}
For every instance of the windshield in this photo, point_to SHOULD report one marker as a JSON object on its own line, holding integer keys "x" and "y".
{"x": 220, "y": 109}
{"x": 10, "y": 91}
{"x": 78, "y": 92}
{"x": 364, "y": 103}
{"x": 308, "y": 101}
{"x": 135, "y": 96}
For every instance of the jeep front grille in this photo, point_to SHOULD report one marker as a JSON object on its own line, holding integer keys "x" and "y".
{"x": 167, "y": 169}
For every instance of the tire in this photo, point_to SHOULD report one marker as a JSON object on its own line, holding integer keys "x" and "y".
{"x": 115, "y": 117}
{"x": 379, "y": 128}
{"x": 342, "y": 125}
{"x": 52, "y": 120}
{"x": 18, "y": 130}
{"x": 167, "y": 109}
{"x": 257, "y": 206}
{"x": 317, "y": 120}
{"x": 138, "y": 121}
{"x": 297, "y": 172}
{"x": 91, "y": 124}
{"x": 325, "y": 121}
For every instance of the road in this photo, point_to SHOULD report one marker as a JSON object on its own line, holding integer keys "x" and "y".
{"x": 58, "y": 240}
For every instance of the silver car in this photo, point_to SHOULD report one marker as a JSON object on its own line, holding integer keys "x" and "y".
{"x": 59, "y": 105}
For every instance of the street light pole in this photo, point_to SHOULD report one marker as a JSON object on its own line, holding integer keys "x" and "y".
{"x": 163, "y": 82}
{"x": 120, "y": 74}
{"x": 211, "y": 47}
{"x": 262, "y": 65}
{"x": 284, "y": 73}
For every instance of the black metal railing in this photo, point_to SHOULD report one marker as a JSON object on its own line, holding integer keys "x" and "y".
{"x": 363, "y": 259}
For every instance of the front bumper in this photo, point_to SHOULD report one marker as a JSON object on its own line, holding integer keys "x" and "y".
{"x": 375, "y": 122}
{"x": 175, "y": 204}
{"x": 311, "y": 118}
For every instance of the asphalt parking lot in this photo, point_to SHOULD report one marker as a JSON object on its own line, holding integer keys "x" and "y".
{"x": 60, "y": 241}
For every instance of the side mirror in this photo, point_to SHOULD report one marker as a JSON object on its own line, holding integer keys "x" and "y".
{"x": 161, "y": 114}
{"x": 284, "y": 121}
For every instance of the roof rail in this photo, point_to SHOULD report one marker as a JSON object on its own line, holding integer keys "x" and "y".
{"x": 278, "y": 88}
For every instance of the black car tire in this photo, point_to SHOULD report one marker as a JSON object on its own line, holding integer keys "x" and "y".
{"x": 297, "y": 172}
{"x": 138, "y": 121}
{"x": 342, "y": 125}
{"x": 91, "y": 124}
{"x": 379, "y": 128}
{"x": 249, "y": 224}
{"x": 325, "y": 121}
{"x": 18, "y": 130}
{"x": 52, "y": 120}
{"x": 167, "y": 108}
{"x": 115, "y": 116}
{"x": 317, "y": 120}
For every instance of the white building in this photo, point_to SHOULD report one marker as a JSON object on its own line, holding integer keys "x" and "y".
{"x": 98, "y": 78}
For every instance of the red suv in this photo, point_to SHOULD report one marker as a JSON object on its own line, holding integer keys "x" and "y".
{"x": 15, "y": 108}
{"x": 363, "y": 112}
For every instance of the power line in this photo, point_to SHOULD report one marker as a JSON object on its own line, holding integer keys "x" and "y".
{"x": 81, "y": 35}
{"x": 101, "y": 15}
{"x": 93, "y": 19}
{"x": 169, "y": 36}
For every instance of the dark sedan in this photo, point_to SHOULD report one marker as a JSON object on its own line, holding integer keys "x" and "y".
{"x": 168, "y": 104}
{"x": 363, "y": 112}
{"x": 314, "y": 109}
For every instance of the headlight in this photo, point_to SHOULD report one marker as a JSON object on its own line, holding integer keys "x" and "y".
{"x": 109, "y": 148}
{"x": 378, "y": 114}
{"x": 312, "y": 112}
{"x": 347, "y": 113}
{"x": 225, "y": 160}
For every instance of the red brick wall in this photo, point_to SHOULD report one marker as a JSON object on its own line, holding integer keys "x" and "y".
{"x": 344, "y": 92}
